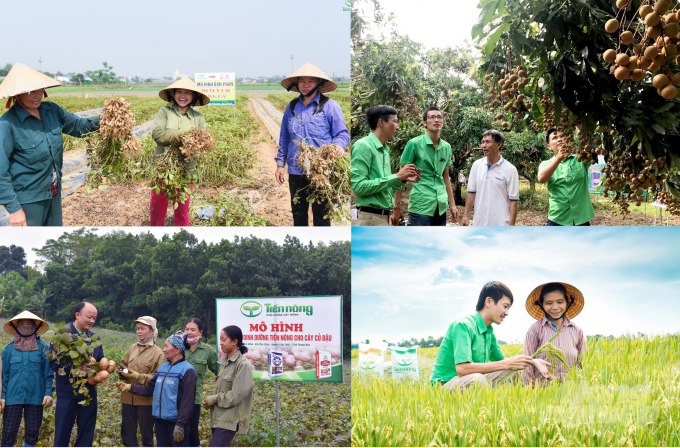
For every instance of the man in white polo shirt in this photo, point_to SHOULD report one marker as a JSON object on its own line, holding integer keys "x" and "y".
{"x": 493, "y": 186}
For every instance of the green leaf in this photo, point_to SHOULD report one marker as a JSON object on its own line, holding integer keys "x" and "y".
{"x": 73, "y": 354}
{"x": 665, "y": 108}
{"x": 658, "y": 129}
{"x": 487, "y": 10}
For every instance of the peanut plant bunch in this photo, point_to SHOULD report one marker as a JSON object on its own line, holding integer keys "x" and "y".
{"x": 111, "y": 150}
{"x": 171, "y": 174}
{"x": 329, "y": 178}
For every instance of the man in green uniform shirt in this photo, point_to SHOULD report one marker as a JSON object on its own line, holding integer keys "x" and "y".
{"x": 470, "y": 354}
{"x": 372, "y": 179}
{"x": 432, "y": 196}
{"x": 567, "y": 180}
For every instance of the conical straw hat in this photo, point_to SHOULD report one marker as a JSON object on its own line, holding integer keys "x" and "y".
{"x": 309, "y": 69}
{"x": 537, "y": 313}
{"x": 23, "y": 79}
{"x": 188, "y": 84}
{"x": 25, "y": 315}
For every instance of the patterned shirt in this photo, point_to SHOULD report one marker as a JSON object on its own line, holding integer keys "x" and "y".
{"x": 571, "y": 341}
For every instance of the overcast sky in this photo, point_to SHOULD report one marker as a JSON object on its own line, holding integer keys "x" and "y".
{"x": 415, "y": 283}
{"x": 151, "y": 38}
{"x": 433, "y": 23}
{"x": 35, "y": 237}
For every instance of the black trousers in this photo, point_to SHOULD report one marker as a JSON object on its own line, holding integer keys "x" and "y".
{"x": 192, "y": 428}
{"x": 222, "y": 437}
{"x": 133, "y": 415}
{"x": 299, "y": 186}
{"x": 164, "y": 429}
{"x": 11, "y": 421}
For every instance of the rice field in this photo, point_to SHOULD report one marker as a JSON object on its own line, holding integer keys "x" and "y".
{"x": 628, "y": 394}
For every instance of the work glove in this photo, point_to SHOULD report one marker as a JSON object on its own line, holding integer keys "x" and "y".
{"x": 209, "y": 401}
{"x": 123, "y": 387}
{"x": 2, "y": 406}
{"x": 178, "y": 433}
{"x": 175, "y": 140}
{"x": 47, "y": 402}
{"x": 131, "y": 374}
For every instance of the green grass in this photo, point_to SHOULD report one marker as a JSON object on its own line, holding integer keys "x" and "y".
{"x": 628, "y": 394}
{"x": 312, "y": 414}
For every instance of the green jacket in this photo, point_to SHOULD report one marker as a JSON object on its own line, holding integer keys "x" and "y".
{"x": 202, "y": 358}
{"x": 29, "y": 147}
{"x": 234, "y": 391}
{"x": 169, "y": 121}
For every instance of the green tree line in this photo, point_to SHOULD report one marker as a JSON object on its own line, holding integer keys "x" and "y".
{"x": 172, "y": 278}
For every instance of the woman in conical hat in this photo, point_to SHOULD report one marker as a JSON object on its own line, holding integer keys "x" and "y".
{"x": 554, "y": 305}
{"x": 26, "y": 379}
{"x": 316, "y": 120}
{"x": 172, "y": 119}
{"x": 32, "y": 148}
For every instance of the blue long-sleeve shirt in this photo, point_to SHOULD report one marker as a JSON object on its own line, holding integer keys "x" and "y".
{"x": 30, "y": 147}
{"x": 325, "y": 127}
{"x": 26, "y": 376}
{"x": 64, "y": 386}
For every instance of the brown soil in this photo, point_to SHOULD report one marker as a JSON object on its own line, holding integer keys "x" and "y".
{"x": 535, "y": 218}
{"x": 117, "y": 205}
{"x": 276, "y": 198}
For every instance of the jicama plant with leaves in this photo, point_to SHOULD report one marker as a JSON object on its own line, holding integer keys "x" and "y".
{"x": 75, "y": 351}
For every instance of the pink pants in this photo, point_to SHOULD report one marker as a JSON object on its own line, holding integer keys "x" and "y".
{"x": 159, "y": 207}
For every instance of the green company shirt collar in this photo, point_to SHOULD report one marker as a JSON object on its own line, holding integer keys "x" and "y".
{"x": 481, "y": 326}
{"x": 377, "y": 144}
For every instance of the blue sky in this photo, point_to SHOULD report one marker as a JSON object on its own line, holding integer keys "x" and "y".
{"x": 151, "y": 38}
{"x": 414, "y": 282}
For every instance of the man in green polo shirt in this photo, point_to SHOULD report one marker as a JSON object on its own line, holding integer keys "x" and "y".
{"x": 567, "y": 180}
{"x": 470, "y": 354}
{"x": 432, "y": 196}
{"x": 372, "y": 179}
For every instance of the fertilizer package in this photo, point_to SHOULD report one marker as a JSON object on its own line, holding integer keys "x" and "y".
{"x": 372, "y": 358}
{"x": 405, "y": 363}
{"x": 323, "y": 364}
{"x": 275, "y": 363}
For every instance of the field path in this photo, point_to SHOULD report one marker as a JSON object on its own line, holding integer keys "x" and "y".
{"x": 275, "y": 202}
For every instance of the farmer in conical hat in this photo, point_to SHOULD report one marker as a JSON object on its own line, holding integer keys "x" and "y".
{"x": 171, "y": 120}
{"x": 32, "y": 148}
{"x": 316, "y": 120}
{"x": 554, "y": 305}
{"x": 26, "y": 379}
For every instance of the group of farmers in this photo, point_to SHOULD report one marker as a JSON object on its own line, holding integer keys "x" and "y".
{"x": 493, "y": 184}
{"x": 31, "y": 143}
{"x": 161, "y": 389}
{"x": 470, "y": 354}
